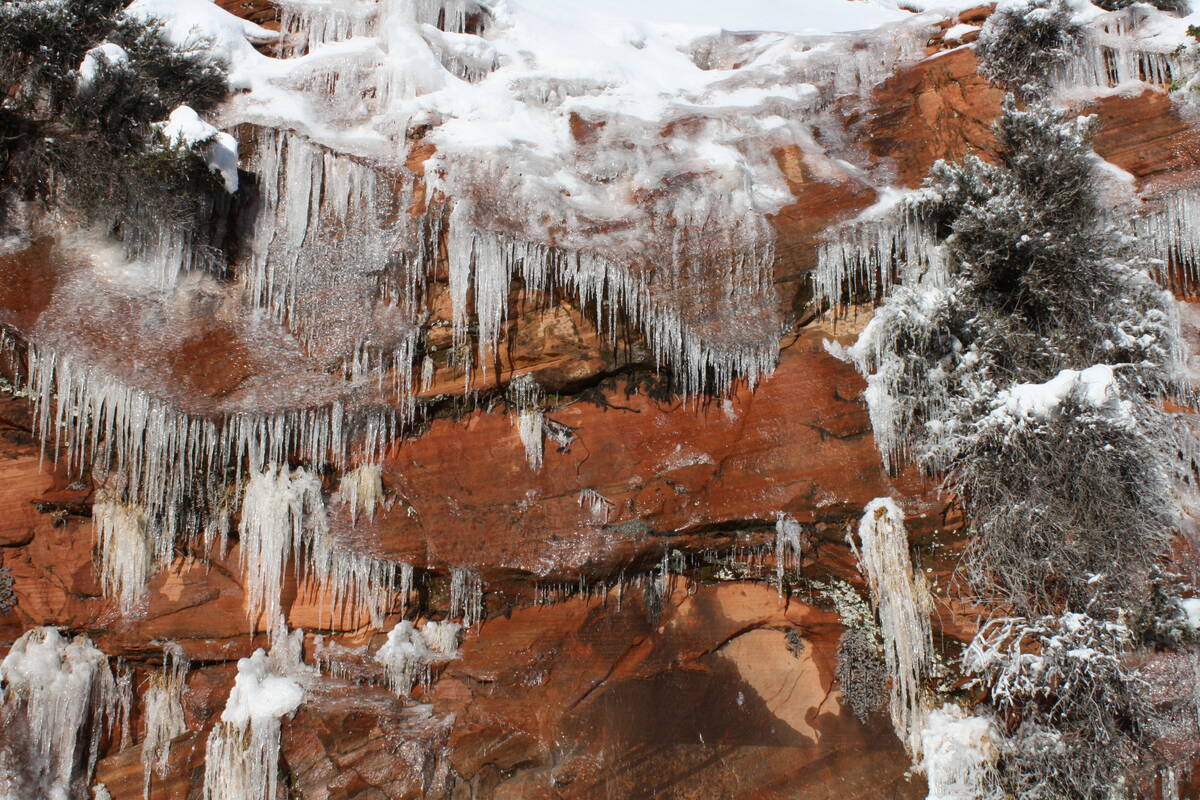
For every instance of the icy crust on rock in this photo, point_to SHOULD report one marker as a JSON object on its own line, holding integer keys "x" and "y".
{"x": 58, "y": 695}
{"x": 960, "y": 754}
{"x": 627, "y": 162}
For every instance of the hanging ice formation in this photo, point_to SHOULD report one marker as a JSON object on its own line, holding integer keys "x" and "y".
{"x": 125, "y": 550}
{"x": 466, "y": 596}
{"x": 1120, "y": 47}
{"x": 362, "y": 490}
{"x": 163, "y": 714}
{"x": 787, "y": 537}
{"x": 59, "y": 695}
{"x": 903, "y": 604}
{"x": 597, "y": 505}
{"x": 526, "y": 395}
{"x": 284, "y": 517}
{"x": 1169, "y": 232}
{"x": 885, "y": 244}
{"x": 410, "y": 652}
{"x": 242, "y": 756}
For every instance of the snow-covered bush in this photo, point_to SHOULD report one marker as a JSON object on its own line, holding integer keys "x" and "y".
{"x": 1177, "y": 6}
{"x": 990, "y": 378}
{"x": 1078, "y": 711}
{"x": 86, "y": 84}
{"x": 1024, "y": 41}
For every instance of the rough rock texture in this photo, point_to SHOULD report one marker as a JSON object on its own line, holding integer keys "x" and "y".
{"x": 624, "y": 682}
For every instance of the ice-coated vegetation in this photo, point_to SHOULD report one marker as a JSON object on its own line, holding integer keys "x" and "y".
{"x": 162, "y": 704}
{"x": 1031, "y": 373}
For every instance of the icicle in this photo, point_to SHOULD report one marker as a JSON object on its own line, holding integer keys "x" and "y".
{"x": 124, "y": 551}
{"x": 1113, "y": 54}
{"x": 124, "y": 704}
{"x": 466, "y": 596}
{"x": 242, "y": 756}
{"x": 410, "y": 652}
{"x": 526, "y": 395}
{"x": 406, "y": 585}
{"x": 903, "y": 603}
{"x": 284, "y": 517}
{"x": 1169, "y": 232}
{"x": 64, "y": 691}
{"x": 279, "y": 511}
{"x": 362, "y": 490}
{"x": 597, "y": 505}
{"x": 787, "y": 537}
{"x": 163, "y": 713}
{"x": 868, "y": 254}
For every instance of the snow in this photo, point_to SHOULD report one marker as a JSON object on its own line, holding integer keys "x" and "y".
{"x": 1191, "y": 608}
{"x": 259, "y": 694}
{"x": 242, "y": 755}
{"x": 184, "y": 128}
{"x": 956, "y": 32}
{"x": 105, "y": 53}
{"x": 1095, "y": 386}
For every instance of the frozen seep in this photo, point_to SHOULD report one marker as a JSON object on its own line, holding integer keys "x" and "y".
{"x": 59, "y": 695}
{"x": 903, "y": 604}
{"x": 242, "y": 755}
{"x": 526, "y": 396}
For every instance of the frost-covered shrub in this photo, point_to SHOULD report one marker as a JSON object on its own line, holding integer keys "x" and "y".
{"x": 1024, "y": 41}
{"x": 1077, "y": 713}
{"x": 1067, "y": 504}
{"x": 1042, "y": 298}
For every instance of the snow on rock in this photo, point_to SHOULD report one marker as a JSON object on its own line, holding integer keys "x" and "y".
{"x": 555, "y": 127}
{"x": 959, "y": 754}
{"x": 242, "y": 756}
{"x": 64, "y": 692}
{"x": 105, "y": 53}
{"x": 184, "y": 128}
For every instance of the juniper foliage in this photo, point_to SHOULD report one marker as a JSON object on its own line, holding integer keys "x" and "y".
{"x": 1024, "y": 43}
{"x": 89, "y": 147}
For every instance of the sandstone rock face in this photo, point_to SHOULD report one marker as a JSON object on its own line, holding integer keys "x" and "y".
{"x": 641, "y": 651}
